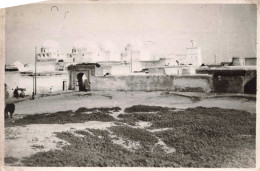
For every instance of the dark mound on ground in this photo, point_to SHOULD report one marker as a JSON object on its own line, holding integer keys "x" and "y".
{"x": 202, "y": 137}
{"x": 101, "y": 109}
{"x": 144, "y": 108}
{"x": 210, "y": 137}
{"x": 9, "y": 160}
{"x": 64, "y": 117}
{"x": 91, "y": 151}
{"x": 132, "y": 118}
{"x": 135, "y": 134}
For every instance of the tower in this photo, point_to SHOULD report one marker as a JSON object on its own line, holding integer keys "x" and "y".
{"x": 193, "y": 55}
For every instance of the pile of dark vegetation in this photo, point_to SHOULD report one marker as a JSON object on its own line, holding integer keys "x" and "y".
{"x": 63, "y": 117}
{"x": 209, "y": 137}
{"x": 96, "y": 151}
{"x": 9, "y": 160}
{"x": 101, "y": 109}
{"x": 132, "y": 118}
{"x": 144, "y": 108}
{"x": 202, "y": 137}
{"x": 144, "y": 137}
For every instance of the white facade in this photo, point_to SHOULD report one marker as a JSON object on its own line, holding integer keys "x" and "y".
{"x": 90, "y": 52}
{"x": 49, "y": 52}
{"x": 192, "y": 56}
{"x": 135, "y": 55}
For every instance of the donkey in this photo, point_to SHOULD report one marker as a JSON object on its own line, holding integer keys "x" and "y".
{"x": 9, "y": 108}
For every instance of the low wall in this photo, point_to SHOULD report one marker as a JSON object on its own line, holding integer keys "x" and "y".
{"x": 232, "y": 79}
{"x": 228, "y": 84}
{"x": 193, "y": 83}
{"x": 152, "y": 83}
{"x": 44, "y": 83}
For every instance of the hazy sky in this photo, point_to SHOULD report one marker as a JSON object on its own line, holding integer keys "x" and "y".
{"x": 221, "y": 30}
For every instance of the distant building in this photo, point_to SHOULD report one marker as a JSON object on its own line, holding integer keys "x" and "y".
{"x": 49, "y": 52}
{"x": 108, "y": 52}
{"x": 175, "y": 62}
{"x": 134, "y": 59}
{"x": 246, "y": 61}
{"x": 225, "y": 63}
{"x": 162, "y": 62}
{"x": 11, "y": 68}
{"x": 83, "y": 52}
{"x": 49, "y": 58}
{"x": 192, "y": 56}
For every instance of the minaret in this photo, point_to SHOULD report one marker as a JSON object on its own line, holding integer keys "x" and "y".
{"x": 193, "y": 54}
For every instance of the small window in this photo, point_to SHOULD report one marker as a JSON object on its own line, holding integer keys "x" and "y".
{"x": 82, "y": 54}
{"x": 43, "y": 55}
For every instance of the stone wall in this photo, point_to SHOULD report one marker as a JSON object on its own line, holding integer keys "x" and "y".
{"x": 250, "y": 62}
{"x": 231, "y": 80}
{"x": 193, "y": 83}
{"x": 228, "y": 84}
{"x": 152, "y": 83}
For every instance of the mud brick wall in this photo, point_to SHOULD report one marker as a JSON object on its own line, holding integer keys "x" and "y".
{"x": 201, "y": 83}
{"x": 193, "y": 83}
{"x": 228, "y": 84}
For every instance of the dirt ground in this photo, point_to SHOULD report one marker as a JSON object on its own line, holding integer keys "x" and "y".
{"x": 26, "y": 140}
{"x": 73, "y": 101}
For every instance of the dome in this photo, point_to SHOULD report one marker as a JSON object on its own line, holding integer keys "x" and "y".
{"x": 50, "y": 44}
{"x": 85, "y": 44}
{"x": 19, "y": 65}
{"x": 108, "y": 46}
{"x": 145, "y": 56}
{"x": 136, "y": 44}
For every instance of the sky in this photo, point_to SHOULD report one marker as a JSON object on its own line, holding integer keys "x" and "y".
{"x": 220, "y": 30}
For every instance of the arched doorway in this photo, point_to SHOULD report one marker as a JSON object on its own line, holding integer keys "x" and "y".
{"x": 81, "y": 84}
{"x": 250, "y": 86}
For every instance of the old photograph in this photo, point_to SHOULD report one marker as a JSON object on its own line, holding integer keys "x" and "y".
{"x": 119, "y": 84}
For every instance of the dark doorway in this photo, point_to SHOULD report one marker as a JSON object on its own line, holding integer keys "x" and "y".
{"x": 250, "y": 86}
{"x": 81, "y": 82}
{"x": 64, "y": 86}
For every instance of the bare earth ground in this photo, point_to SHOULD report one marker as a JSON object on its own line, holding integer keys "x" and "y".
{"x": 36, "y": 138}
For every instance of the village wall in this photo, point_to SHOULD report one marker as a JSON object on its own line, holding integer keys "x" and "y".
{"x": 152, "y": 83}
{"x": 228, "y": 84}
{"x": 193, "y": 83}
{"x": 45, "y": 84}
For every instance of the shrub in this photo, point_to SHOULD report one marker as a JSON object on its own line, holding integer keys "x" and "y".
{"x": 135, "y": 134}
{"x": 144, "y": 108}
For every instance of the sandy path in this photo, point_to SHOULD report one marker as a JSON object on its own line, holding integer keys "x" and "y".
{"x": 73, "y": 101}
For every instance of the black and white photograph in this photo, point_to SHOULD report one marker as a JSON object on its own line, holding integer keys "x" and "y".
{"x": 130, "y": 84}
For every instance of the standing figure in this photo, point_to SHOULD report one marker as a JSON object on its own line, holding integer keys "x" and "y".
{"x": 16, "y": 94}
{"x": 33, "y": 96}
{"x": 6, "y": 92}
{"x": 51, "y": 89}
